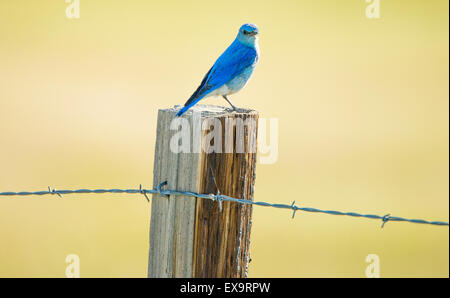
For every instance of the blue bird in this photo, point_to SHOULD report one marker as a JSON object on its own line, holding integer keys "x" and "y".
{"x": 231, "y": 71}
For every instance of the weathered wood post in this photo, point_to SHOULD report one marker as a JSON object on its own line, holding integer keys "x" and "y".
{"x": 209, "y": 149}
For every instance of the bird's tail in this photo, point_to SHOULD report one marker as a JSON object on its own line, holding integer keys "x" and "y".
{"x": 188, "y": 105}
{"x": 196, "y": 96}
{"x": 182, "y": 111}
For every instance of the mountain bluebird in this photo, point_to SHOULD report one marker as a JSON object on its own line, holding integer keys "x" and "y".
{"x": 231, "y": 71}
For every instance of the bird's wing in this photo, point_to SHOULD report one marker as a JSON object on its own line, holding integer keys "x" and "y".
{"x": 230, "y": 64}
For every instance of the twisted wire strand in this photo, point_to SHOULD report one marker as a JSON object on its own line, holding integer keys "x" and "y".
{"x": 219, "y": 198}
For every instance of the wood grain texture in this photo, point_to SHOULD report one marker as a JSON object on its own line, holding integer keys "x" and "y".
{"x": 172, "y": 220}
{"x": 222, "y": 237}
{"x": 191, "y": 237}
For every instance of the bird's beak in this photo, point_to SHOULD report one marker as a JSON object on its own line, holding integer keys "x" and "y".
{"x": 253, "y": 33}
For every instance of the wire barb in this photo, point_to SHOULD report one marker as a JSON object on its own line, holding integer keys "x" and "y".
{"x": 385, "y": 219}
{"x": 54, "y": 192}
{"x": 144, "y": 192}
{"x": 294, "y": 208}
{"x": 219, "y": 198}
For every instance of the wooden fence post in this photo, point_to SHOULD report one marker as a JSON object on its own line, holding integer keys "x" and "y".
{"x": 191, "y": 237}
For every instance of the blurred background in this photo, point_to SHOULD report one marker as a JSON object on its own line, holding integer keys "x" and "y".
{"x": 362, "y": 104}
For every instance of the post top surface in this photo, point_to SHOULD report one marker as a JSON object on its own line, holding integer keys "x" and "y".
{"x": 210, "y": 110}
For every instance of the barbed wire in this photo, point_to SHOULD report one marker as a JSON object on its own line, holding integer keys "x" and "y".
{"x": 220, "y": 198}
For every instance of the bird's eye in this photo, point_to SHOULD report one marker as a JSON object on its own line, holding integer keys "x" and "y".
{"x": 245, "y": 32}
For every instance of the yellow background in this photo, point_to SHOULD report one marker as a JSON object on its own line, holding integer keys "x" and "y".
{"x": 362, "y": 107}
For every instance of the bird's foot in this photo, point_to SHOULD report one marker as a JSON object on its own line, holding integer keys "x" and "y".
{"x": 237, "y": 110}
